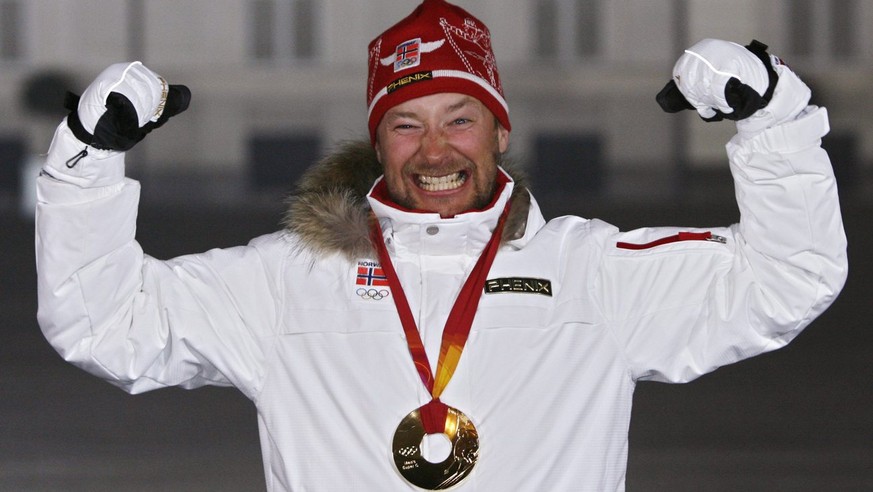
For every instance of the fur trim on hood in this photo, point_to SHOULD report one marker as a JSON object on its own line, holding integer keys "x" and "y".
{"x": 330, "y": 214}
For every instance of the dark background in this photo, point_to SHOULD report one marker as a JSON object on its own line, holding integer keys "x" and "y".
{"x": 795, "y": 419}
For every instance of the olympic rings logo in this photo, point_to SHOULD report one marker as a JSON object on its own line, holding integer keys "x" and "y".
{"x": 374, "y": 294}
{"x": 408, "y": 451}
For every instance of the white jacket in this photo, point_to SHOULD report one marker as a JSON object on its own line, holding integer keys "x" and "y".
{"x": 548, "y": 380}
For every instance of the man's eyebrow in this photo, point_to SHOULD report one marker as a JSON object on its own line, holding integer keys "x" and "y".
{"x": 400, "y": 114}
{"x": 460, "y": 104}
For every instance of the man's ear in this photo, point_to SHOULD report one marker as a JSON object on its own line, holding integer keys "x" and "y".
{"x": 502, "y": 138}
{"x": 378, "y": 149}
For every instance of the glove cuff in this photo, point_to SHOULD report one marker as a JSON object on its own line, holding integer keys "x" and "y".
{"x": 71, "y": 102}
{"x": 790, "y": 97}
{"x": 759, "y": 49}
{"x": 74, "y": 162}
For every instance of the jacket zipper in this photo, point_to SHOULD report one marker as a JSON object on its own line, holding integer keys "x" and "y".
{"x": 682, "y": 236}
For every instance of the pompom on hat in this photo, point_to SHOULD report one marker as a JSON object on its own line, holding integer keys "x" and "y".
{"x": 439, "y": 47}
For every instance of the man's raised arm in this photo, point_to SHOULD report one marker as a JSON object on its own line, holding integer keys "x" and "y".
{"x": 87, "y": 258}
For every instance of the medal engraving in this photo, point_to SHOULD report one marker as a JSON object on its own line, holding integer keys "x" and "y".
{"x": 435, "y": 476}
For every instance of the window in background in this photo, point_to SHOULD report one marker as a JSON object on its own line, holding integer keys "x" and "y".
{"x": 278, "y": 160}
{"x": 10, "y": 32}
{"x": 283, "y": 30}
{"x": 844, "y": 28}
{"x": 566, "y": 29}
{"x": 567, "y": 163}
{"x": 825, "y": 30}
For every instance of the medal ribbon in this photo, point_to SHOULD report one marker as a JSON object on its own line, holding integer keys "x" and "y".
{"x": 456, "y": 331}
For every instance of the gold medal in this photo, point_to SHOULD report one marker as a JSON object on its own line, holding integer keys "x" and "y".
{"x": 435, "y": 476}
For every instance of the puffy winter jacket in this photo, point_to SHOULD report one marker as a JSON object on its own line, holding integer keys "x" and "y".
{"x": 574, "y": 313}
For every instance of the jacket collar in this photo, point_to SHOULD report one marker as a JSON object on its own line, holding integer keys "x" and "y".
{"x": 427, "y": 233}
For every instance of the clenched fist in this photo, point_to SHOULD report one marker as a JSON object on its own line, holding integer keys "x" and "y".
{"x": 123, "y": 104}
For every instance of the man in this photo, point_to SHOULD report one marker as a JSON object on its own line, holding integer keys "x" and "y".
{"x": 435, "y": 300}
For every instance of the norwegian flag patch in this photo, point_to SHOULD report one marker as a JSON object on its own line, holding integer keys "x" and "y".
{"x": 371, "y": 283}
{"x": 407, "y": 54}
{"x": 370, "y": 273}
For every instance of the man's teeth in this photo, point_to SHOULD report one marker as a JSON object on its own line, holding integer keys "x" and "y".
{"x": 442, "y": 183}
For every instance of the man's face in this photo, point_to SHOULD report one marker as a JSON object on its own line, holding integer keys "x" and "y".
{"x": 439, "y": 153}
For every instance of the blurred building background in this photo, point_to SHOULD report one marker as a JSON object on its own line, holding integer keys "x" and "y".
{"x": 276, "y": 83}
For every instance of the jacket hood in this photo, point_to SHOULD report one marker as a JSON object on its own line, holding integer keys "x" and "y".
{"x": 329, "y": 213}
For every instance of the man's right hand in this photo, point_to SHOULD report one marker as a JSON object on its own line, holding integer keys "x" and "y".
{"x": 123, "y": 104}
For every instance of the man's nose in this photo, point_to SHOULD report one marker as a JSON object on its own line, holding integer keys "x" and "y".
{"x": 434, "y": 145}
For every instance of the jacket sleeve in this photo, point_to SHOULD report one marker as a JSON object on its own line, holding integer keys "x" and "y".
{"x": 681, "y": 309}
{"x": 138, "y": 322}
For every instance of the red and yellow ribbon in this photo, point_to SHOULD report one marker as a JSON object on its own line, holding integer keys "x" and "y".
{"x": 457, "y": 328}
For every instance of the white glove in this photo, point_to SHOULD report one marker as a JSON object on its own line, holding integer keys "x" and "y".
{"x": 141, "y": 86}
{"x": 723, "y": 80}
{"x": 123, "y": 104}
{"x": 705, "y": 70}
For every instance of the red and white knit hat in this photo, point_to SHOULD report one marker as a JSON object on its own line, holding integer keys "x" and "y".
{"x": 439, "y": 47}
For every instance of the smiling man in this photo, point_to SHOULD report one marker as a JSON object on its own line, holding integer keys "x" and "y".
{"x": 417, "y": 323}
{"x": 439, "y": 153}
{"x": 437, "y": 115}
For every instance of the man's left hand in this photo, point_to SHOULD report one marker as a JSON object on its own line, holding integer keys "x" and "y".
{"x": 720, "y": 80}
